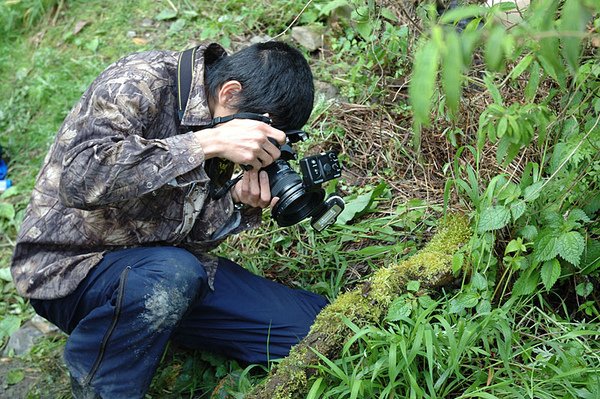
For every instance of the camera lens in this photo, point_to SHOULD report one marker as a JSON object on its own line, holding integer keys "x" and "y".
{"x": 295, "y": 201}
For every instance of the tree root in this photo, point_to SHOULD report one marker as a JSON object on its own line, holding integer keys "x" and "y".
{"x": 431, "y": 266}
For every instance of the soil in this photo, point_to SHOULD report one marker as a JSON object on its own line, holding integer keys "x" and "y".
{"x": 20, "y": 389}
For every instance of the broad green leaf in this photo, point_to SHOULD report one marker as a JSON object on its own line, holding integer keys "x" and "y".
{"x": 502, "y": 126}
{"x": 14, "y": 376}
{"x": 550, "y": 273}
{"x": 483, "y": 307}
{"x": 495, "y": 93}
{"x": 576, "y": 215}
{"x": 517, "y": 209}
{"x": 512, "y": 152}
{"x": 526, "y": 283}
{"x": 452, "y": 72}
{"x": 365, "y": 28}
{"x": 572, "y": 21}
{"x": 464, "y": 300}
{"x": 502, "y": 150}
{"x": 359, "y": 205}
{"x": 457, "y": 262}
{"x": 422, "y": 84}
{"x": 529, "y": 232}
{"x": 584, "y": 289}
{"x": 166, "y": 14}
{"x": 590, "y": 261}
{"x": 546, "y": 247}
{"x": 521, "y": 66}
{"x": 399, "y": 309}
{"x": 549, "y": 58}
{"x": 532, "y": 192}
{"x": 459, "y": 13}
{"x": 7, "y": 211}
{"x": 8, "y": 325}
{"x": 93, "y": 44}
{"x": 478, "y": 281}
{"x": 493, "y": 51}
{"x": 176, "y": 26}
{"x": 332, "y": 5}
{"x": 514, "y": 246}
{"x": 533, "y": 83}
{"x": 413, "y": 286}
{"x": 5, "y": 274}
{"x": 493, "y": 218}
{"x": 570, "y": 246}
{"x": 388, "y": 14}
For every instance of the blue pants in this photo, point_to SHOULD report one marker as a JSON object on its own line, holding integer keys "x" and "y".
{"x": 122, "y": 315}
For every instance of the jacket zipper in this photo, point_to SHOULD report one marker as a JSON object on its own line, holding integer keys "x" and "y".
{"x": 113, "y": 325}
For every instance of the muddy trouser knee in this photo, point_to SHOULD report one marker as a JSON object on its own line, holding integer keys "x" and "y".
{"x": 122, "y": 315}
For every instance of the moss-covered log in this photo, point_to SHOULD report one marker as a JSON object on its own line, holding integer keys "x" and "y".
{"x": 431, "y": 266}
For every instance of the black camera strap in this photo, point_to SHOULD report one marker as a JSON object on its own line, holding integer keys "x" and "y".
{"x": 214, "y": 167}
{"x": 185, "y": 74}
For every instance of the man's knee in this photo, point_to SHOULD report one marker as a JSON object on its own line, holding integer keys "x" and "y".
{"x": 165, "y": 286}
{"x": 173, "y": 267}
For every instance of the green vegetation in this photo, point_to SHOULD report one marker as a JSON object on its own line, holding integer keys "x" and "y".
{"x": 438, "y": 113}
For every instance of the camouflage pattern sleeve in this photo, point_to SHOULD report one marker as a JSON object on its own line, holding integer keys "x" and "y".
{"x": 113, "y": 152}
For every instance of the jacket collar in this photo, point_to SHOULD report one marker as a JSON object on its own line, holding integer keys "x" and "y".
{"x": 197, "y": 112}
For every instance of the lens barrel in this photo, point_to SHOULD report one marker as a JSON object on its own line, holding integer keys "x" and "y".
{"x": 295, "y": 201}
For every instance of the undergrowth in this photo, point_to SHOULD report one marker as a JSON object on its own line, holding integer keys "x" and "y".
{"x": 438, "y": 110}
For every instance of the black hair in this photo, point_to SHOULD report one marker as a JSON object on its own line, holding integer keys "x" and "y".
{"x": 275, "y": 79}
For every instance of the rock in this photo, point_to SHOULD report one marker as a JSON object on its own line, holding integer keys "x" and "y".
{"x": 21, "y": 341}
{"x": 309, "y": 37}
{"x": 131, "y": 34}
{"x": 512, "y": 17}
{"x": 147, "y": 23}
{"x": 260, "y": 39}
{"x": 44, "y": 325}
{"x": 326, "y": 90}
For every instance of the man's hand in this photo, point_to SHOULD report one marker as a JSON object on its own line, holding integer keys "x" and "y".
{"x": 242, "y": 141}
{"x": 253, "y": 190}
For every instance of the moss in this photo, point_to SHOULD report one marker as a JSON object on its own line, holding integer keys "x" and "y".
{"x": 432, "y": 266}
{"x": 452, "y": 233}
{"x": 353, "y": 305}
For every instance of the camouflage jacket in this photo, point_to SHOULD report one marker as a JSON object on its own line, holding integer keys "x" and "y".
{"x": 122, "y": 172}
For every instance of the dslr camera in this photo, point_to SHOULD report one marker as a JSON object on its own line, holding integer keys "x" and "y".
{"x": 300, "y": 198}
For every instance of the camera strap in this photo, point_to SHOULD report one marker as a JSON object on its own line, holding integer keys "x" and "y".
{"x": 218, "y": 170}
{"x": 185, "y": 74}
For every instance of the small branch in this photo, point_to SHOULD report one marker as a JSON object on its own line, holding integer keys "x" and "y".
{"x": 294, "y": 21}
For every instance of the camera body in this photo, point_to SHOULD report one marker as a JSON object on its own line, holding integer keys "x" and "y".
{"x": 300, "y": 198}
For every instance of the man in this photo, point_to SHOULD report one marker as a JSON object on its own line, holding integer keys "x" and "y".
{"x": 113, "y": 246}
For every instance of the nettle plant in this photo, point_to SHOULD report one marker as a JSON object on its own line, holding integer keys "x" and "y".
{"x": 536, "y": 226}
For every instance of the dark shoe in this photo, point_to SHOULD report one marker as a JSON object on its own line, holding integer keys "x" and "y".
{"x": 82, "y": 391}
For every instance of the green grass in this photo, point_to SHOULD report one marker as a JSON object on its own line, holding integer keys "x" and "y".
{"x": 433, "y": 353}
{"x": 483, "y": 337}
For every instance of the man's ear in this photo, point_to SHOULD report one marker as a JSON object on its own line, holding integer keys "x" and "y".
{"x": 228, "y": 93}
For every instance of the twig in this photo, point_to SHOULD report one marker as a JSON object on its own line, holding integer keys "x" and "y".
{"x": 294, "y": 21}
{"x": 172, "y": 6}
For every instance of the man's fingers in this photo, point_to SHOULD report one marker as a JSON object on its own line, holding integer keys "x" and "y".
{"x": 273, "y": 151}
{"x": 265, "y": 190}
{"x": 277, "y": 134}
{"x": 273, "y": 202}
